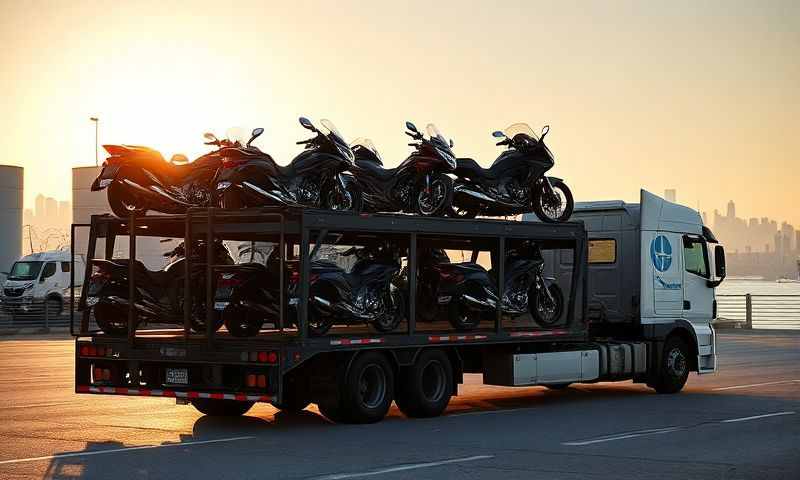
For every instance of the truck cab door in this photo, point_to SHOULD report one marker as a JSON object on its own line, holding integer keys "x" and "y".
{"x": 698, "y": 298}
{"x": 665, "y": 266}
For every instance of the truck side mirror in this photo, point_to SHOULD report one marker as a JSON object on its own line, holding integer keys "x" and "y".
{"x": 718, "y": 269}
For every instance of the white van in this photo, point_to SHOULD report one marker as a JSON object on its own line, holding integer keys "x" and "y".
{"x": 40, "y": 280}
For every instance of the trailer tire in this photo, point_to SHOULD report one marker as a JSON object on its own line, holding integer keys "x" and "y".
{"x": 331, "y": 410}
{"x": 367, "y": 391}
{"x": 427, "y": 385}
{"x": 221, "y": 408}
{"x": 295, "y": 399}
{"x": 673, "y": 370}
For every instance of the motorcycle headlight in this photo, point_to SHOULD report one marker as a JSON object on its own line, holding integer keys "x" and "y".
{"x": 347, "y": 153}
{"x": 447, "y": 157}
{"x": 223, "y": 185}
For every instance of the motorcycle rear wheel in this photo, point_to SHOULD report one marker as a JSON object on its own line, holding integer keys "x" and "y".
{"x": 113, "y": 319}
{"x": 547, "y": 211}
{"x": 122, "y": 203}
{"x": 241, "y": 322}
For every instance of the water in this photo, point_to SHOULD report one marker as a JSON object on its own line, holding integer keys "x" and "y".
{"x": 757, "y": 287}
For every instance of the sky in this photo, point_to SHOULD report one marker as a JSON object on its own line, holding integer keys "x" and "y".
{"x": 702, "y": 96}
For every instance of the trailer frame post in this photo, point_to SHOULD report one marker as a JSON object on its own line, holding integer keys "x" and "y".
{"x": 210, "y": 324}
{"x": 305, "y": 274}
{"x": 187, "y": 293}
{"x": 412, "y": 284}
{"x": 281, "y": 280}
{"x": 748, "y": 311}
{"x": 131, "y": 278}
{"x": 501, "y": 283}
{"x": 87, "y": 272}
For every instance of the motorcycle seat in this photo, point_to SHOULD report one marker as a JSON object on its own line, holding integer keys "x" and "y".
{"x": 324, "y": 266}
{"x": 159, "y": 278}
{"x": 374, "y": 170}
{"x": 469, "y": 168}
{"x": 466, "y": 267}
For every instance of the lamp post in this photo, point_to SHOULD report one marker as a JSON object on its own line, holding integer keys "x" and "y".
{"x": 96, "y": 126}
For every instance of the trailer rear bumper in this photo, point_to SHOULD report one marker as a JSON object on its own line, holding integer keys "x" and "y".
{"x": 188, "y": 395}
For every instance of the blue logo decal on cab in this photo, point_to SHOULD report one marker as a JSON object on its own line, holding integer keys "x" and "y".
{"x": 661, "y": 253}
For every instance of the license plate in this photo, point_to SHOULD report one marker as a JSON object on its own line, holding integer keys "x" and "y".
{"x": 178, "y": 376}
{"x": 220, "y": 305}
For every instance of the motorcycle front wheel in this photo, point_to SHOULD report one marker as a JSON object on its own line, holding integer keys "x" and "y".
{"x": 343, "y": 200}
{"x": 544, "y": 311}
{"x": 436, "y": 199}
{"x": 556, "y": 207}
{"x": 393, "y": 314}
{"x": 122, "y": 203}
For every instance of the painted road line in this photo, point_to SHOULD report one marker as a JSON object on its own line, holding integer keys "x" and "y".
{"x": 119, "y": 450}
{"x": 402, "y": 468}
{"x": 623, "y": 436}
{"x": 756, "y": 417}
{"x": 736, "y": 387}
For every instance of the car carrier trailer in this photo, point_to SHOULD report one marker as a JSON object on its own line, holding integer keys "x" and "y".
{"x": 612, "y": 330}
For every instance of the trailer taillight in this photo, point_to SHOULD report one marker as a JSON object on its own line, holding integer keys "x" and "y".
{"x": 260, "y": 357}
{"x": 101, "y": 374}
{"x": 88, "y": 350}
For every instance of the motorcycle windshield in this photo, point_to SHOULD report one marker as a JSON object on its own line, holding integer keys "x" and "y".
{"x": 238, "y": 136}
{"x": 330, "y": 131}
{"x": 366, "y": 143}
{"x": 442, "y": 145}
{"x": 519, "y": 129}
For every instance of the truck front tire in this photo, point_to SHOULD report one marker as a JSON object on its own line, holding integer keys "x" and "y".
{"x": 427, "y": 385}
{"x": 673, "y": 370}
{"x": 221, "y": 408}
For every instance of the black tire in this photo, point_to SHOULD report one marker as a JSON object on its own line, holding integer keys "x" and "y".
{"x": 545, "y": 213}
{"x": 121, "y": 203}
{"x": 295, "y": 399}
{"x": 541, "y": 313}
{"x": 367, "y": 391}
{"x": 112, "y": 319}
{"x": 241, "y": 322}
{"x": 427, "y": 385}
{"x": 332, "y": 410}
{"x": 392, "y": 319}
{"x": 221, "y": 408}
{"x": 439, "y": 206}
{"x": 318, "y": 324}
{"x": 334, "y": 200}
{"x": 460, "y": 316}
{"x": 674, "y": 368}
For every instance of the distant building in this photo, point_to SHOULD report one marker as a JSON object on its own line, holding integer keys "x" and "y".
{"x": 670, "y": 195}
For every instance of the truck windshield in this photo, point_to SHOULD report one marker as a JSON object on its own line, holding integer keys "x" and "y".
{"x": 25, "y": 271}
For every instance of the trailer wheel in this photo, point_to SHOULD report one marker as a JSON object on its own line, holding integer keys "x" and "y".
{"x": 295, "y": 399}
{"x": 673, "y": 370}
{"x": 221, "y": 408}
{"x": 331, "y": 410}
{"x": 427, "y": 385}
{"x": 367, "y": 391}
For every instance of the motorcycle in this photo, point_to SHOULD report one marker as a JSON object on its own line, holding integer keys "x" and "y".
{"x": 139, "y": 179}
{"x": 367, "y": 293}
{"x": 516, "y": 181}
{"x": 159, "y": 294}
{"x": 248, "y": 295}
{"x": 420, "y": 184}
{"x": 249, "y": 177}
{"x": 467, "y": 293}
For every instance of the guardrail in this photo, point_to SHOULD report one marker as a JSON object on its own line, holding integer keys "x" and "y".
{"x": 35, "y": 316}
{"x": 770, "y": 311}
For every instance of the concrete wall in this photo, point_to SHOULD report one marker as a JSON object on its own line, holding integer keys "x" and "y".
{"x": 86, "y": 203}
{"x": 11, "y": 198}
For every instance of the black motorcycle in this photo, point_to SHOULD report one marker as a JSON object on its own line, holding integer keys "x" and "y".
{"x": 365, "y": 294}
{"x": 140, "y": 179}
{"x": 467, "y": 293}
{"x": 251, "y": 178}
{"x": 248, "y": 295}
{"x": 516, "y": 181}
{"x": 159, "y": 294}
{"x": 420, "y": 184}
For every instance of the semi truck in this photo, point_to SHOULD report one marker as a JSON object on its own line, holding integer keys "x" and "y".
{"x": 638, "y": 282}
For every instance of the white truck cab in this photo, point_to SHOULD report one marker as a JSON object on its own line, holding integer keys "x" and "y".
{"x": 653, "y": 267}
{"x": 38, "y": 280}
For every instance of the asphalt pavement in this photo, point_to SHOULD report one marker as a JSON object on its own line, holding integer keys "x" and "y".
{"x": 742, "y": 422}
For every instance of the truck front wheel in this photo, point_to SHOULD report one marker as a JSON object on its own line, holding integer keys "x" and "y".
{"x": 673, "y": 371}
{"x": 427, "y": 385}
{"x": 221, "y": 408}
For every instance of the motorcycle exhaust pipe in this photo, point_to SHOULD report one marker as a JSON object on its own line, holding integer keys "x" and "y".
{"x": 488, "y": 303}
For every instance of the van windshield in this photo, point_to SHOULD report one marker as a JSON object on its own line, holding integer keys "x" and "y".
{"x": 25, "y": 271}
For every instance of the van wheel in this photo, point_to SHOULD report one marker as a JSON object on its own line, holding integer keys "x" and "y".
{"x": 368, "y": 389}
{"x": 52, "y": 307}
{"x": 221, "y": 408}
{"x": 673, "y": 370}
{"x": 427, "y": 385}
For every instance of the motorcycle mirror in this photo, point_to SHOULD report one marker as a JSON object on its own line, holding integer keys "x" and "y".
{"x": 545, "y": 130}
{"x": 498, "y": 134}
{"x": 306, "y": 123}
{"x": 210, "y": 137}
{"x": 411, "y": 127}
{"x": 451, "y": 143}
{"x": 256, "y": 133}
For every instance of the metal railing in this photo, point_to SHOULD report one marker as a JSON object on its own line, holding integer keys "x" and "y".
{"x": 37, "y": 316}
{"x": 760, "y": 311}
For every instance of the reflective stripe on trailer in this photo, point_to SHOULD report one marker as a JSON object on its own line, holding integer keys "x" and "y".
{"x": 143, "y": 392}
{"x": 356, "y": 341}
{"x": 455, "y": 338}
{"x": 538, "y": 333}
